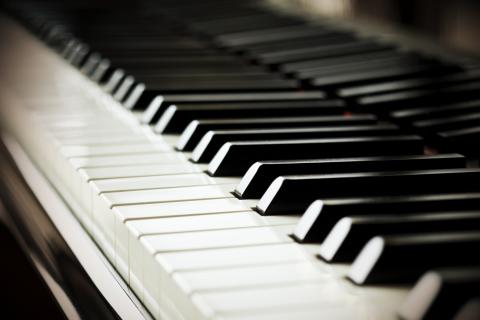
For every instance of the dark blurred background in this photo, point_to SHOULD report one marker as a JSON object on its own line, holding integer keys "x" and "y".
{"x": 454, "y": 23}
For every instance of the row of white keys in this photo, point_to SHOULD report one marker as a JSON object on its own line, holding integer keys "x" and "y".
{"x": 140, "y": 189}
{"x": 125, "y": 160}
{"x": 87, "y": 175}
{"x": 144, "y": 231}
{"x": 160, "y": 288}
{"x": 269, "y": 281}
{"x": 104, "y": 218}
{"x": 148, "y": 215}
{"x": 158, "y": 181}
{"x": 246, "y": 230}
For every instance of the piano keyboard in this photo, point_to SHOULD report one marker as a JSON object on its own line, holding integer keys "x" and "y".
{"x": 234, "y": 162}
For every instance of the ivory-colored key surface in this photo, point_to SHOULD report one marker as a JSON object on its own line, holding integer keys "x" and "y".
{"x": 127, "y": 159}
{"x": 215, "y": 239}
{"x": 127, "y": 243}
{"x": 104, "y": 217}
{"x": 113, "y": 231}
{"x": 160, "y": 181}
{"x": 78, "y": 134}
{"x": 251, "y": 276}
{"x": 303, "y": 312}
{"x": 181, "y": 208}
{"x": 148, "y": 274}
{"x": 82, "y": 151}
{"x": 230, "y": 257}
{"x": 83, "y": 177}
{"x": 229, "y": 220}
{"x": 137, "y": 171}
{"x": 167, "y": 194}
{"x": 323, "y": 293}
{"x": 104, "y": 140}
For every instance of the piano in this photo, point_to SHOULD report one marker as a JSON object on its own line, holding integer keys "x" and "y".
{"x": 240, "y": 160}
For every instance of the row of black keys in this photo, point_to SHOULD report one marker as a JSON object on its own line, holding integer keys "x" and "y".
{"x": 382, "y": 184}
{"x": 373, "y": 76}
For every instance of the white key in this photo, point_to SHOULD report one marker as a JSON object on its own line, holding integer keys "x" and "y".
{"x": 83, "y": 151}
{"x": 104, "y": 140}
{"x": 127, "y": 159}
{"x": 303, "y": 313}
{"x": 104, "y": 217}
{"x": 138, "y": 171}
{"x": 326, "y": 294}
{"x": 80, "y": 123}
{"x": 111, "y": 224}
{"x": 216, "y": 239}
{"x": 100, "y": 130}
{"x": 126, "y": 242}
{"x": 167, "y": 194}
{"x": 80, "y": 179}
{"x": 244, "y": 277}
{"x": 182, "y": 208}
{"x": 81, "y": 186}
{"x": 148, "y": 273}
{"x": 231, "y": 257}
{"x": 129, "y": 249}
{"x": 242, "y": 219}
{"x": 79, "y": 134}
{"x": 152, "y": 182}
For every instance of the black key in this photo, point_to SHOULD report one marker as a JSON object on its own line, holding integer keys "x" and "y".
{"x": 162, "y": 43}
{"x": 372, "y": 75}
{"x": 159, "y": 80}
{"x": 221, "y": 85}
{"x": 321, "y": 51}
{"x": 353, "y": 65}
{"x": 293, "y": 194}
{"x": 142, "y": 102}
{"x": 448, "y": 110}
{"x": 161, "y": 61}
{"x": 256, "y": 51}
{"x": 241, "y": 24}
{"x": 350, "y": 234}
{"x": 463, "y": 140}
{"x": 441, "y": 293}
{"x": 259, "y": 176}
{"x": 242, "y": 97}
{"x": 213, "y": 140}
{"x": 391, "y": 101}
{"x": 236, "y": 157}
{"x": 177, "y": 117}
{"x": 321, "y": 215}
{"x": 358, "y": 67}
{"x": 244, "y": 39}
{"x": 403, "y": 258}
{"x": 149, "y": 72}
{"x": 198, "y": 128}
{"x": 203, "y": 79}
{"x": 413, "y": 83}
{"x": 152, "y": 52}
{"x": 448, "y": 123}
{"x": 335, "y": 61}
